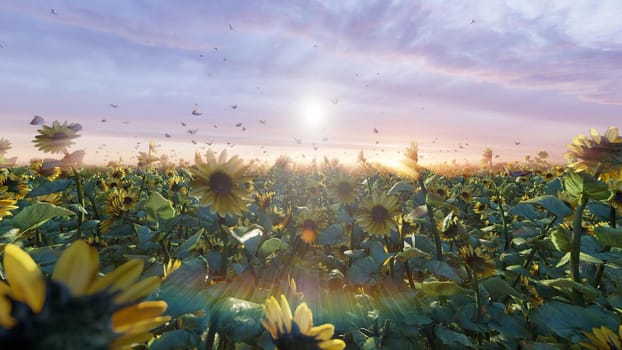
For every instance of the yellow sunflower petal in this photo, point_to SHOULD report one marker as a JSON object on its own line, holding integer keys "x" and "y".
{"x": 122, "y": 277}
{"x": 139, "y": 290}
{"x": 137, "y": 312}
{"x": 6, "y": 320}
{"x": 129, "y": 341}
{"x": 611, "y": 134}
{"x": 77, "y": 267}
{"x": 286, "y": 314}
{"x": 332, "y": 344}
{"x": 143, "y": 325}
{"x": 322, "y": 332}
{"x": 303, "y": 318}
{"x": 25, "y": 278}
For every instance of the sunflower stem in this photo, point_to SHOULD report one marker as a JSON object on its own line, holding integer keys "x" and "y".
{"x": 224, "y": 257}
{"x": 506, "y": 232}
{"x": 478, "y": 300}
{"x": 430, "y": 210}
{"x": 409, "y": 274}
{"x": 80, "y": 191}
{"x": 601, "y": 268}
{"x": 575, "y": 250}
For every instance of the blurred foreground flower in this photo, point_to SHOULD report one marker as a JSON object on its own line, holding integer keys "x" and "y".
{"x": 218, "y": 183}
{"x": 376, "y": 214}
{"x": 76, "y": 308}
{"x": 311, "y": 222}
{"x": 56, "y": 138}
{"x": 297, "y": 332}
{"x": 603, "y": 338}
{"x": 598, "y": 152}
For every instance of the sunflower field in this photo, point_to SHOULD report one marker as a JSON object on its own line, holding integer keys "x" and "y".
{"x": 227, "y": 254}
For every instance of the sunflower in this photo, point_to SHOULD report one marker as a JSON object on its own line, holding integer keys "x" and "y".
{"x": 5, "y": 145}
{"x": 603, "y": 338}
{"x": 52, "y": 198}
{"x": 450, "y": 228}
{"x": 602, "y": 152}
{"x": 310, "y": 223}
{"x": 280, "y": 218}
{"x": 117, "y": 174}
{"x": 117, "y": 203}
{"x": 466, "y": 194}
{"x": 6, "y": 205}
{"x": 76, "y": 308}
{"x": 264, "y": 200}
{"x": 477, "y": 261}
{"x": 297, "y": 332}
{"x": 176, "y": 185}
{"x": 343, "y": 188}
{"x": 440, "y": 190}
{"x": 16, "y": 185}
{"x": 376, "y": 214}
{"x": 218, "y": 183}
{"x": 46, "y": 169}
{"x": 55, "y": 138}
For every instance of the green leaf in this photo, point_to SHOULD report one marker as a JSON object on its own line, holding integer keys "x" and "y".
{"x": 158, "y": 207}
{"x": 362, "y": 270}
{"x": 499, "y": 288}
{"x": 449, "y": 337}
{"x": 37, "y": 214}
{"x": 270, "y": 246}
{"x": 567, "y": 285}
{"x": 331, "y": 235}
{"x": 444, "y": 270}
{"x": 561, "y": 239}
{"x": 441, "y": 288}
{"x": 184, "y": 250}
{"x": 50, "y": 187}
{"x": 569, "y": 321}
{"x": 238, "y": 319}
{"x": 401, "y": 186}
{"x": 185, "y": 290}
{"x": 583, "y": 184}
{"x": 176, "y": 339}
{"x": 609, "y": 235}
{"x": 552, "y": 204}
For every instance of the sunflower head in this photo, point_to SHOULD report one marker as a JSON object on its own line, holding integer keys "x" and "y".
{"x": 5, "y": 145}
{"x": 220, "y": 183}
{"x": 310, "y": 223}
{"x": 343, "y": 189}
{"x": 466, "y": 194}
{"x": 377, "y": 212}
{"x": 297, "y": 332}
{"x": 6, "y": 205}
{"x": 603, "y": 338}
{"x": 264, "y": 200}
{"x": 15, "y": 185}
{"x": 56, "y": 138}
{"x": 451, "y": 229}
{"x": 477, "y": 261}
{"x": 598, "y": 152}
{"x": 76, "y": 308}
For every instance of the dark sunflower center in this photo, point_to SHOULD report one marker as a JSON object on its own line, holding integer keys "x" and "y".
{"x": 344, "y": 188}
{"x": 59, "y": 136}
{"x": 128, "y": 200}
{"x": 309, "y": 225}
{"x": 295, "y": 340}
{"x": 379, "y": 213}
{"x": 617, "y": 197}
{"x": 440, "y": 192}
{"x": 221, "y": 183}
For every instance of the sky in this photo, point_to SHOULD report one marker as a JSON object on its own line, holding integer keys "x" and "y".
{"x": 311, "y": 78}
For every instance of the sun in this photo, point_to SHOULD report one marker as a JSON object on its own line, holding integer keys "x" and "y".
{"x": 313, "y": 113}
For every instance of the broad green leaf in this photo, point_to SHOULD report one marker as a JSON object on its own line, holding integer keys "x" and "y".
{"x": 50, "y": 187}
{"x": 499, "y": 288}
{"x": 609, "y": 235}
{"x": 37, "y": 214}
{"x": 238, "y": 319}
{"x": 186, "y": 289}
{"x": 184, "y": 250}
{"x": 570, "y": 321}
{"x": 441, "y": 288}
{"x": 401, "y": 186}
{"x": 561, "y": 239}
{"x": 552, "y": 204}
{"x": 567, "y": 285}
{"x": 331, "y": 235}
{"x": 270, "y": 246}
{"x": 362, "y": 270}
{"x": 449, "y": 337}
{"x": 176, "y": 339}
{"x": 158, "y": 207}
{"x": 583, "y": 184}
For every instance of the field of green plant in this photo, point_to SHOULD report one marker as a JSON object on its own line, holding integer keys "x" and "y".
{"x": 226, "y": 254}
